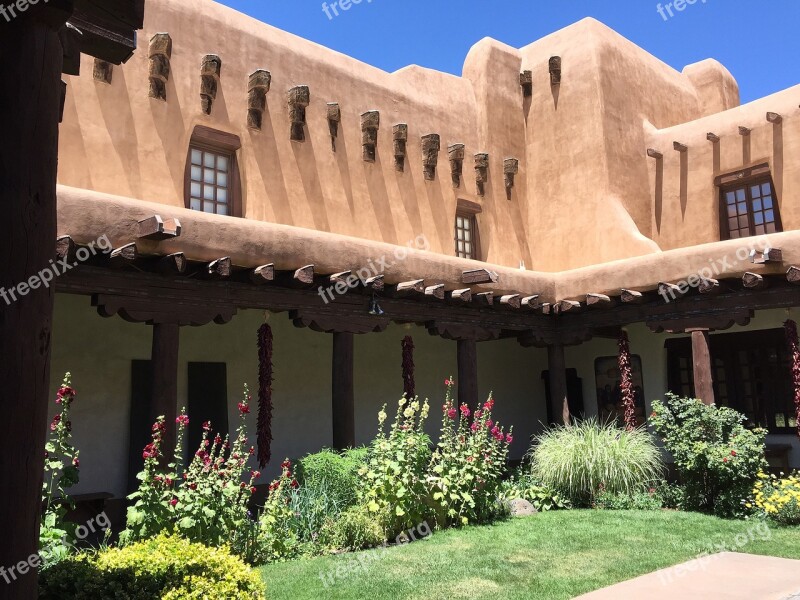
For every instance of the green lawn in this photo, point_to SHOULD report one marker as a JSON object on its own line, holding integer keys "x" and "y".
{"x": 551, "y": 556}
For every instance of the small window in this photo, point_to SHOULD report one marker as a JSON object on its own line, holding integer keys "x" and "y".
{"x": 748, "y": 205}
{"x": 212, "y": 175}
{"x": 467, "y": 242}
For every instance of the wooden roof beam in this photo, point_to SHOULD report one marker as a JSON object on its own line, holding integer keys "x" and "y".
{"x": 479, "y": 276}
{"x": 464, "y": 295}
{"x": 435, "y": 291}
{"x": 754, "y": 281}
{"x": 263, "y": 274}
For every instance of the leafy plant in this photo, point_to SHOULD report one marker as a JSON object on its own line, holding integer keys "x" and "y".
{"x": 61, "y": 467}
{"x": 277, "y": 538}
{"x": 166, "y": 566}
{"x": 649, "y": 500}
{"x": 777, "y": 499}
{"x": 395, "y": 475}
{"x": 469, "y": 461}
{"x": 576, "y": 461}
{"x": 543, "y": 498}
{"x": 335, "y": 473}
{"x": 354, "y": 529}
{"x": 717, "y": 458}
{"x": 207, "y": 502}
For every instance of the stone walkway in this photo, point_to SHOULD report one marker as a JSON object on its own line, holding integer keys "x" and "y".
{"x": 726, "y": 576}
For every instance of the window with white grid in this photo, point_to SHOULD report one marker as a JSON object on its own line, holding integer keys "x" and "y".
{"x": 210, "y": 181}
{"x": 466, "y": 236}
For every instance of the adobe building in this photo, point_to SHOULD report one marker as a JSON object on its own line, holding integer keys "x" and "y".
{"x": 512, "y": 221}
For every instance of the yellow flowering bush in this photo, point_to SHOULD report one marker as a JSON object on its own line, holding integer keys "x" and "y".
{"x": 777, "y": 499}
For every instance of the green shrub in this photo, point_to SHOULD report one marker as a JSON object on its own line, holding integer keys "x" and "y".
{"x": 575, "y": 461}
{"x": 334, "y": 473}
{"x": 673, "y": 495}
{"x": 523, "y": 485}
{"x": 277, "y": 538}
{"x": 166, "y": 566}
{"x": 718, "y": 460}
{"x": 355, "y": 529}
{"x": 649, "y": 500}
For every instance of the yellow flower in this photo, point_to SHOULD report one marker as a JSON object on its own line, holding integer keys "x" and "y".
{"x": 381, "y": 417}
{"x": 408, "y": 413}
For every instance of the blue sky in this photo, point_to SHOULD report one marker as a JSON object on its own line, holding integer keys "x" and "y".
{"x": 745, "y": 35}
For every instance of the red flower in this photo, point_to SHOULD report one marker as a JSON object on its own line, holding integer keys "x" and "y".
{"x": 465, "y": 411}
{"x": 192, "y": 486}
{"x": 207, "y": 426}
{"x": 725, "y": 459}
{"x": 474, "y": 426}
{"x": 733, "y": 452}
{"x": 252, "y": 451}
{"x": 244, "y": 408}
{"x": 451, "y": 414}
{"x": 478, "y": 413}
{"x": 255, "y": 474}
{"x": 286, "y": 464}
{"x": 242, "y": 485}
{"x": 217, "y": 440}
{"x": 65, "y": 392}
{"x": 56, "y": 421}
{"x": 295, "y": 485}
{"x": 150, "y": 451}
{"x": 253, "y": 490}
{"x": 509, "y": 439}
{"x": 75, "y": 462}
{"x": 489, "y": 404}
{"x": 174, "y": 502}
{"x": 489, "y": 424}
{"x": 168, "y": 481}
{"x": 158, "y": 426}
{"x": 182, "y": 420}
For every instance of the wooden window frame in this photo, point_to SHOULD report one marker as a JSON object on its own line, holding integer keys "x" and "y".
{"x": 219, "y": 142}
{"x": 724, "y": 347}
{"x": 468, "y": 210}
{"x": 746, "y": 178}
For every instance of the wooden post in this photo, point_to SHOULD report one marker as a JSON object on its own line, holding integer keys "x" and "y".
{"x": 468, "y": 373}
{"x": 557, "y": 368}
{"x": 29, "y": 115}
{"x": 344, "y": 414}
{"x": 701, "y": 356}
{"x": 164, "y": 399}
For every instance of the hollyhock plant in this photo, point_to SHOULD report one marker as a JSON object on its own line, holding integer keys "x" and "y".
{"x": 468, "y": 464}
{"x": 60, "y": 473}
{"x": 207, "y": 500}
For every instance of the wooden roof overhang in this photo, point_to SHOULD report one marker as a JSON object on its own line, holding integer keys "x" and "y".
{"x": 177, "y": 266}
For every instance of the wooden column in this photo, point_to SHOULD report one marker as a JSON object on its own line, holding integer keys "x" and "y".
{"x": 164, "y": 361}
{"x": 344, "y": 414}
{"x": 701, "y": 356}
{"x": 29, "y": 114}
{"x": 468, "y": 373}
{"x": 557, "y": 368}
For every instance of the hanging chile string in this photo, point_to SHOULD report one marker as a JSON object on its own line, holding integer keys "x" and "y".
{"x": 264, "y": 395}
{"x": 794, "y": 350}
{"x": 626, "y": 381}
{"x": 408, "y": 367}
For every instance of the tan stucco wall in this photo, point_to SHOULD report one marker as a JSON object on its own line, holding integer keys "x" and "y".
{"x": 99, "y": 352}
{"x": 586, "y": 191}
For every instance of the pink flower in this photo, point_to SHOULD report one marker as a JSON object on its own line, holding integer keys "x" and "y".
{"x": 207, "y": 426}
{"x": 474, "y": 427}
{"x": 489, "y": 404}
{"x": 56, "y": 421}
{"x": 182, "y": 420}
{"x": 244, "y": 408}
{"x": 150, "y": 451}
{"x": 448, "y": 382}
{"x": 509, "y": 439}
{"x": 174, "y": 502}
{"x": 65, "y": 392}
{"x": 465, "y": 411}
{"x": 478, "y": 413}
{"x": 451, "y": 414}
{"x": 489, "y": 424}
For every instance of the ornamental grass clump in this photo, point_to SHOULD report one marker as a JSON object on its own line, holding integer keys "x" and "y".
{"x": 581, "y": 460}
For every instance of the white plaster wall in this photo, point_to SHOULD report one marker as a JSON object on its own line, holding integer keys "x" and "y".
{"x": 99, "y": 352}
